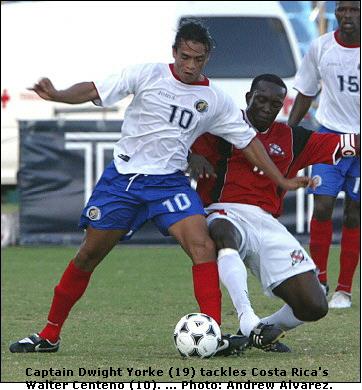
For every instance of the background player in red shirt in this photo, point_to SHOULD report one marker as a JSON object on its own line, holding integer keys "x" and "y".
{"x": 243, "y": 204}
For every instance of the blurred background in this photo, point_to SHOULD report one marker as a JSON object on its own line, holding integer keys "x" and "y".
{"x": 52, "y": 154}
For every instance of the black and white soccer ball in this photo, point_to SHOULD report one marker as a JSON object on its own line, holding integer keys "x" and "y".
{"x": 197, "y": 334}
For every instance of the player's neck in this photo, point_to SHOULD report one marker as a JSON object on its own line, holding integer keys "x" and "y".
{"x": 348, "y": 40}
{"x": 202, "y": 80}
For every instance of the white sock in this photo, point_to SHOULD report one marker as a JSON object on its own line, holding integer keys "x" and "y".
{"x": 233, "y": 275}
{"x": 284, "y": 318}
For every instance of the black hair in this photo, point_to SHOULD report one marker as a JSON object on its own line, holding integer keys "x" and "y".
{"x": 272, "y": 78}
{"x": 338, "y": 3}
{"x": 193, "y": 30}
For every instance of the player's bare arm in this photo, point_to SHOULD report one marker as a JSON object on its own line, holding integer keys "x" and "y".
{"x": 257, "y": 155}
{"x": 299, "y": 109}
{"x": 77, "y": 93}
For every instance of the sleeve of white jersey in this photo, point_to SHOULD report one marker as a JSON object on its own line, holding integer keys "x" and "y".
{"x": 308, "y": 77}
{"x": 230, "y": 124}
{"x": 116, "y": 87}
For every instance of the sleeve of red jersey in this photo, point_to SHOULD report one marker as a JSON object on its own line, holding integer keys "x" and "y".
{"x": 206, "y": 145}
{"x": 328, "y": 148}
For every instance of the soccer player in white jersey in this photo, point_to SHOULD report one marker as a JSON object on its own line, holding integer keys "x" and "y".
{"x": 172, "y": 105}
{"x": 334, "y": 61}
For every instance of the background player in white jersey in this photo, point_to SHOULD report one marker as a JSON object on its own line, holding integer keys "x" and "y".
{"x": 334, "y": 61}
{"x": 172, "y": 105}
{"x": 243, "y": 206}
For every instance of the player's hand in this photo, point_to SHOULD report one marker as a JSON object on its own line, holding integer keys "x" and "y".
{"x": 298, "y": 182}
{"x": 45, "y": 89}
{"x": 199, "y": 167}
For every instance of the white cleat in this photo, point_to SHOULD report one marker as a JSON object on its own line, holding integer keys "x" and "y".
{"x": 340, "y": 300}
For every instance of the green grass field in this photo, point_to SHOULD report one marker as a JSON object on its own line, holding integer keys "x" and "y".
{"x": 126, "y": 318}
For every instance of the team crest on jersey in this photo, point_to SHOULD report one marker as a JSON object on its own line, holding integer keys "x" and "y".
{"x": 297, "y": 257}
{"x": 201, "y": 106}
{"x": 93, "y": 213}
{"x": 276, "y": 150}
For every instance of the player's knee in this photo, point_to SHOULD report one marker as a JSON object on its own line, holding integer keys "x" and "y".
{"x": 202, "y": 249}
{"x": 352, "y": 221}
{"x": 87, "y": 260}
{"x": 322, "y": 213}
{"x": 224, "y": 235}
{"x": 323, "y": 209}
{"x": 312, "y": 310}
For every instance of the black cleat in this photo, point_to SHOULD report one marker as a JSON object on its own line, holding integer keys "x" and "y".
{"x": 264, "y": 336}
{"x": 278, "y": 347}
{"x": 34, "y": 343}
{"x": 232, "y": 345}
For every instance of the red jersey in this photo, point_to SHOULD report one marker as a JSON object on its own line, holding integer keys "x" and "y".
{"x": 238, "y": 181}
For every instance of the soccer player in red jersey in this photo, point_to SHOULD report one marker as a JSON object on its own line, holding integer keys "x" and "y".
{"x": 243, "y": 205}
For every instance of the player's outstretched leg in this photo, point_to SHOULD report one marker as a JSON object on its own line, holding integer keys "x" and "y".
{"x": 71, "y": 287}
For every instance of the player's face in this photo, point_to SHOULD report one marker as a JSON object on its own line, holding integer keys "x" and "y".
{"x": 190, "y": 59}
{"x": 264, "y": 104}
{"x": 348, "y": 15}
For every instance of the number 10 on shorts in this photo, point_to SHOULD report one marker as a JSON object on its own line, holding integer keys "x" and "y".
{"x": 179, "y": 202}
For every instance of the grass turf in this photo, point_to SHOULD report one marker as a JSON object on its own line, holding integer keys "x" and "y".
{"x": 126, "y": 318}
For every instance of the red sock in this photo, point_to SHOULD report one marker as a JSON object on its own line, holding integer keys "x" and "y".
{"x": 70, "y": 288}
{"x": 207, "y": 289}
{"x": 350, "y": 248}
{"x": 320, "y": 241}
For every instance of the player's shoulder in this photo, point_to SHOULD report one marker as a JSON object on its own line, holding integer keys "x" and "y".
{"x": 280, "y": 127}
{"x": 149, "y": 68}
{"x": 221, "y": 96}
{"x": 322, "y": 45}
{"x": 326, "y": 40}
{"x": 215, "y": 88}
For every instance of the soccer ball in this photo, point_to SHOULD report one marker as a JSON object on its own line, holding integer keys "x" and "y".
{"x": 197, "y": 334}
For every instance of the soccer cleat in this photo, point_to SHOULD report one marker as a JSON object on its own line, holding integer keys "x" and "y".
{"x": 276, "y": 347}
{"x": 232, "y": 345}
{"x": 34, "y": 343}
{"x": 325, "y": 288}
{"x": 340, "y": 300}
{"x": 264, "y": 336}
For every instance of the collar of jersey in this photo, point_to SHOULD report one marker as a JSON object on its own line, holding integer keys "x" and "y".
{"x": 204, "y": 82}
{"x": 336, "y": 37}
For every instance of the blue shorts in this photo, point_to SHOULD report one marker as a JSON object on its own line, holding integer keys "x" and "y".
{"x": 345, "y": 176}
{"x": 126, "y": 202}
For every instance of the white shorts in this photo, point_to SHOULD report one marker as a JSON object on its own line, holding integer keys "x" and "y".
{"x": 268, "y": 249}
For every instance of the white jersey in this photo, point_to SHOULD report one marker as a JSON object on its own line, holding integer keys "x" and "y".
{"x": 337, "y": 67}
{"x": 166, "y": 116}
